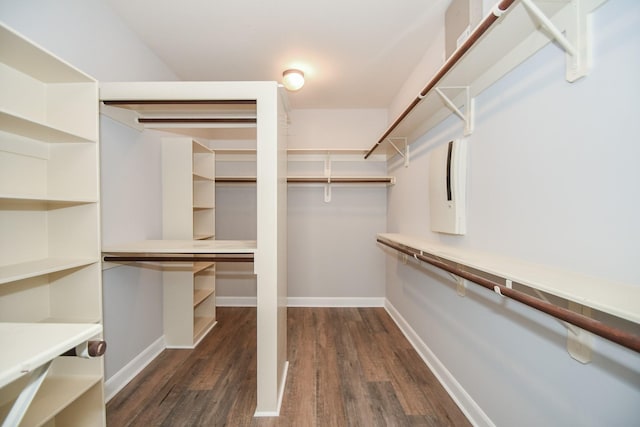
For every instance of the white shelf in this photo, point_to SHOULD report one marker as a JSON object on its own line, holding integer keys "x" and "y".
{"x": 618, "y": 299}
{"x": 200, "y": 295}
{"x": 36, "y": 202}
{"x": 21, "y": 54}
{"x": 55, "y": 394}
{"x": 184, "y": 247}
{"x": 508, "y": 42}
{"x": 202, "y": 178}
{"x": 28, "y": 128}
{"x": 27, "y": 346}
{"x": 25, "y": 270}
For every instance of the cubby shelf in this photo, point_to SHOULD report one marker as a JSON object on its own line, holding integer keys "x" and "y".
{"x": 188, "y": 169}
{"x": 50, "y": 274}
{"x": 25, "y": 270}
{"x": 32, "y": 129}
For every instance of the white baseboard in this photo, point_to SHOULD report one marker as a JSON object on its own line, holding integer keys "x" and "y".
{"x": 465, "y": 402}
{"x": 283, "y": 381}
{"x": 305, "y": 302}
{"x": 236, "y": 301}
{"x": 121, "y": 378}
{"x": 334, "y": 302}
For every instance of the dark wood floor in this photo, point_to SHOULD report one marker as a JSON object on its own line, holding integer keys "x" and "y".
{"x": 347, "y": 367}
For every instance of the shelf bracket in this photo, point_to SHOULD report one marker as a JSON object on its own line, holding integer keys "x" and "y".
{"x": 404, "y": 154}
{"x": 579, "y": 341}
{"x": 468, "y": 115}
{"x": 21, "y": 404}
{"x": 461, "y": 287}
{"x": 575, "y": 41}
{"x": 327, "y": 173}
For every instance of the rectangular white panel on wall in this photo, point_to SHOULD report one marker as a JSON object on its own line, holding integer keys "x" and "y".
{"x": 447, "y": 187}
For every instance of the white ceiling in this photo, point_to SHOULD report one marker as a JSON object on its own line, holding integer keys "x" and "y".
{"x": 355, "y": 53}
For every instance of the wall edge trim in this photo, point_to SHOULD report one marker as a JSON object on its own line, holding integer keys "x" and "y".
{"x": 121, "y": 378}
{"x": 465, "y": 402}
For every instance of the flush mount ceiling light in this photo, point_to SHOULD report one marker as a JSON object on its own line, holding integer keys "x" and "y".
{"x": 293, "y": 79}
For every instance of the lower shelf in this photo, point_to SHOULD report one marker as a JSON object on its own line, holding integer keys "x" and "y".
{"x": 201, "y": 326}
{"x": 54, "y": 395}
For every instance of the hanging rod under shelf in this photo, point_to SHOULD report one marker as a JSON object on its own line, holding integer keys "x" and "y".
{"x": 616, "y": 335}
{"x": 174, "y": 258}
{"x": 313, "y": 180}
{"x": 448, "y": 65}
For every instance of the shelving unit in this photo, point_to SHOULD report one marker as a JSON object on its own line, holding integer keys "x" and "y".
{"x": 234, "y": 111}
{"x": 188, "y": 186}
{"x": 50, "y": 276}
{"x": 617, "y": 299}
{"x": 324, "y": 156}
{"x": 511, "y": 33}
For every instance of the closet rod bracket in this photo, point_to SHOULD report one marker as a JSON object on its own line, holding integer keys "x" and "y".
{"x": 575, "y": 40}
{"x": 579, "y": 341}
{"x": 467, "y": 116}
{"x": 403, "y": 153}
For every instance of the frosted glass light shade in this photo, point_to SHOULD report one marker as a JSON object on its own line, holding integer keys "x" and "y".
{"x": 293, "y": 79}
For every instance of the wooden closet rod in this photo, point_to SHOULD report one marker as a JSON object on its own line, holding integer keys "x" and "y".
{"x": 311, "y": 180}
{"x": 171, "y": 258}
{"x": 610, "y": 333}
{"x": 181, "y": 102}
{"x": 230, "y": 120}
{"x": 448, "y": 65}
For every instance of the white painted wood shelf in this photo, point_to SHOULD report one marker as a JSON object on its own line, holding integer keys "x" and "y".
{"x": 618, "y": 299}
{"x": 502, "y": 41}
{"x": 25, "y": 270}
{"x": 26, "y": 346}
{"x": 152, "y": 247}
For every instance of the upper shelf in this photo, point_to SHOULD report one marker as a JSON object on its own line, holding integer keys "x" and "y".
{"x": 184, "y": 247}
{"x": 209, "y": 119}
{"x": 21, "y": 54}
{"x": 511, "y": 33}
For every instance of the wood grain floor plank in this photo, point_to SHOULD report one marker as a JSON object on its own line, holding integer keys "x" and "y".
{"x": 347, "y": 367}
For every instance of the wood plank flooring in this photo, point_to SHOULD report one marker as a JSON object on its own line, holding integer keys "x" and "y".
{"x": 347, "y": 367}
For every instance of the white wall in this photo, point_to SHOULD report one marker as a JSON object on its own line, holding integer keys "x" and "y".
{"x": 87, "y": 34}
{"x": 554, "y": 180}
{"x": 332, "y": 254}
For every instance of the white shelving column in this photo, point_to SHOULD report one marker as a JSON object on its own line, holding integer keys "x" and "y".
{"x": 263, "y": 100}
{"x": 188, "y": 208}
{"x": 50, "y": 228}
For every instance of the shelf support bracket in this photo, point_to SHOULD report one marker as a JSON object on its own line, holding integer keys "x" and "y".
{"x": 20, "y": 406}
{"x": 327, "y": 174}
{"x": 468, "y": 115}
{"x": 579, "y": 341}
{"x": 575, "y": 41}
{"x": 404, "y": 154}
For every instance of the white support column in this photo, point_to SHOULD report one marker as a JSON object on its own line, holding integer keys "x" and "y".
{"x": 271, "y": 255}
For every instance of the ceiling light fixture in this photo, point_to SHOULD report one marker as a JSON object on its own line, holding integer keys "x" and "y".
{"x": 293, "y": 79}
